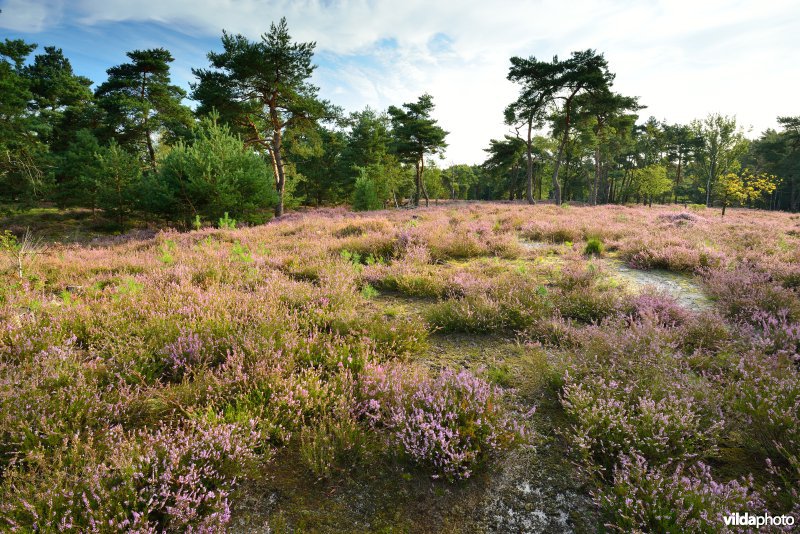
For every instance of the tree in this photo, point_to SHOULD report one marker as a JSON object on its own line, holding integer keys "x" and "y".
{"x": 585, "y": 71}
{"x": 22, "y": 148}
{"x": 368, "y": 140}
{"x": 321, "y": 177}
{"x": 54, "y": 86}
{"x": 433, "y": 182}
{"x": 503, "y": 164}
{"x": 79, "y": 171}
{"x": 416, "y": 135}
{"x": 459, "y": 179}
{"x": 365, "y": 195}
{"x": 721, "y": 146}
{"x": 212, "y": 175}
{"x": 141, "y": 104}
{"x": 119, "y": 183}
{"x": 651, "y": 182}
{"x": 608, "y": 111}
{"x": 744, "y": 188}
{"x": 681, "y": 145}
{"x": 263, "y": 89}
{"x": 790, "y": 163}
{"x": 538, "y": 87}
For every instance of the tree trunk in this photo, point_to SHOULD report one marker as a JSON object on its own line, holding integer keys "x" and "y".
{"x": 596, "y": 185}
{"x": 539, "y": 177}
{"x": 422, "y": 180}
{"x": 556, "y": 185}
{"x": 417, "y": 186}
{"x": 624, "y": 194}
{"x": 145, "y": 122}
{"x": 561, "y": 146}
{"x": 529, "y": 170}
{"x": 275, "y": 153}
{"x": 678, "y": 177}
{"x": 280, "y": 172}
{"x": 711, "y": 171}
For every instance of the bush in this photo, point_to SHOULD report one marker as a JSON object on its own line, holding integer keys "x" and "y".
{"x": 647, "y": 499}
{"x": 627, "y": 389}
{"x": 365, "y": 195}
{"x": 332, "y": 442}
{"x": 214, "y": 174}
{"x": 594, "y": 247}
{"x": 449, "y": 423}
{"x": 173, "y": 479}
{"x": 766, "y": 397}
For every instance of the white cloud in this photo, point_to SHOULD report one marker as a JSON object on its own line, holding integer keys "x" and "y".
{"x": 683, "y": 58}
{"x": 29, "y": 16}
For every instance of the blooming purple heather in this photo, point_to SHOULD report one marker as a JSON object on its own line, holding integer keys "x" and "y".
{"x": 167, "y": 383}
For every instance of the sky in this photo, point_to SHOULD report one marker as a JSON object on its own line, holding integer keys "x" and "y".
{"x": 684, "y": 59}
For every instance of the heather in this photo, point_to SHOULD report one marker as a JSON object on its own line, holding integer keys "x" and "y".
{"x": 459, "y": 352}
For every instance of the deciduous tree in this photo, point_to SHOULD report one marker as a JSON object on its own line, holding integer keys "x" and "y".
{"x": 722, "y": 143}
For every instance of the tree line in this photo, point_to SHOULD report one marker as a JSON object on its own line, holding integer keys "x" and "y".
{"x": 260, "y": 140}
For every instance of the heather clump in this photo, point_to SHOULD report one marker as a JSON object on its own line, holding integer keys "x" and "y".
{"x": 450, "y": 422}
{"x": 613, "y": 419}
{"x": 671, "y": 255}
{"x": 661, "y": 309}
{"x": 672, "y": 498}
{"x": 170, "y": 479}
{"x": 744, "y": 290}
{"x": 407, "y": 276}
{"x": 764, "y": 396}
{"x": 628, "y": 388}
{"x": 475, "y": 307}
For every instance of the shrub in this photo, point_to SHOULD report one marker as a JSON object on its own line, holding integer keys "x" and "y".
{"x": 643, "y": 498}
{"x": 333, "y": 441}
{"x": 365, "y": 195}
{"x": 587, "y": 304}
{"x": 226, "y": 223}
{"x": 214, "y": 174}
{"x": 450, "y": 422}
{"x": 172, "y": 479}
{"x": 610, "y": 421}
{"x": 594, "y": 247}
{"x": 627, "y": 389}
{"x": 473, "y": 314}
{"x": 743, "y": 293}
{"x": 765, "y": 396}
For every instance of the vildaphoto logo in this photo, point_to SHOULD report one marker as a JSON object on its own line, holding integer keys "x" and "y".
{"x": 758, "y": 521}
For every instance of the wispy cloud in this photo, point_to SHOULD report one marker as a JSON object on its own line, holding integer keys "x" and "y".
{"x": 683, "y": 58}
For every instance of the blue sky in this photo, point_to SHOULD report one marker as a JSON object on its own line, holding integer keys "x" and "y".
{"x": 683, "y": 58}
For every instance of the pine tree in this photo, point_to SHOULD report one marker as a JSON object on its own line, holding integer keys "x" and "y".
{"x": 142, "y": 105}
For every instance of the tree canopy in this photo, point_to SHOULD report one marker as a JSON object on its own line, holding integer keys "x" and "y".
{"x": 417, "y": 134}
{"x": 263, "y": 88}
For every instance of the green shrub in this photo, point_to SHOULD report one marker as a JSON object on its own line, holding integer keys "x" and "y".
{"x": 213, "y": 174}
{"x": 332, "y": 443}
{"x": 369, "y": 292}
{"x": 226, "y": 223}
{"x": 594, "y": 247}
{"x": 365, "y": 195}
{"x": 500, "y": 375}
